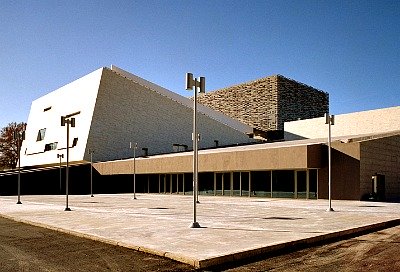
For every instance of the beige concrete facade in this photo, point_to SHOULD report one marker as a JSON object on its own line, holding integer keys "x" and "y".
{"x": 353, "y": 164}
{"x": 381, "y": 156}
{"x": 374, "y": 136}
{"x": 345, "y": 171}
{"x": 246, "y": 158}
{"x": 351, "y": 124}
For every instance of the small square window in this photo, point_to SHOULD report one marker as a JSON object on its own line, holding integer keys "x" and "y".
{"x": 51, "y": 146}
{"x": 41, "y": 134}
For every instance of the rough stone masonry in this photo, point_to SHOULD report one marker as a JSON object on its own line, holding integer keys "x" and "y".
{"x": 266, "y": 103}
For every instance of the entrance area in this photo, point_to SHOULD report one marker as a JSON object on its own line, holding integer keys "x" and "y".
{"x": 300, "y": 184}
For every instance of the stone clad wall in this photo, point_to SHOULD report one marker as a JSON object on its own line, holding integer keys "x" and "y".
{"x": 299, "y": 101}
{"x": 253, "y": 103}
{"x": 266, "y": 103}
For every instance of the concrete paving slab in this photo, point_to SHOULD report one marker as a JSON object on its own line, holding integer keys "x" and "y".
{"x": 231, "y": 227}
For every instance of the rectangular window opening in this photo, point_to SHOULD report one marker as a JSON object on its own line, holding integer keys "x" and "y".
{"x": 50, "y": 146}
{"x": 41, "y": 134}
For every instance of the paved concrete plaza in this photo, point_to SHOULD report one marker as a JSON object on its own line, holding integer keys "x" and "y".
{"x": 231, "y": 227}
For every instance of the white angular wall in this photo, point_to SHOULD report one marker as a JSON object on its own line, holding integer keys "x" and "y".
{"x": 77, "y": 96}
{"x": 113, "y": 108}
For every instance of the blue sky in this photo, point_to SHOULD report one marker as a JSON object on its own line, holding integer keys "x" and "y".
{"x": 350, "y": 49}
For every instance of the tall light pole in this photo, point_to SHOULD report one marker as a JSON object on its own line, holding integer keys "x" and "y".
{"x": 329, "y": 120}
{"x": 60, "y": 156}
{"x": 201, "y": 84}
{"x": 69, "y": 122}
{"x": 19, "y": 137}
{"x": 134, "y": 167}
{"x": 91, "y": 151}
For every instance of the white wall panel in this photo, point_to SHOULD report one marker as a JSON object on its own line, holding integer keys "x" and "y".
{"x": 77, "y": 96}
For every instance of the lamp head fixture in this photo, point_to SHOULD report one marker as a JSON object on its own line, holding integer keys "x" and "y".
{"x": 70, "y": 121}
{"x": 195, "y": 82}
{"x": 329, "y": 119}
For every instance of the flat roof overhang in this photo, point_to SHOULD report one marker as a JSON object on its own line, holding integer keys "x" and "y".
{"x": 241, "y": 158}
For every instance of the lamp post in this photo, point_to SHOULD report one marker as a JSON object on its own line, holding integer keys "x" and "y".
{"x": 60, "y": 156}
{"x": 201, "y": 84}
{"x": 134, "y": 167}
{"x": 19, "y": 137}
{"x": 329, "y": 120}
{"x": 91, "y": 151}
{"x": 69, "y": 122}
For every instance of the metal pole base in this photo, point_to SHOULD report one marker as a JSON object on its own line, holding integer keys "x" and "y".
{"x": 134, "y": 197}
{"x": 195, "y": 225}
{"x": 67, "y": 209}
{"x": 329, "y": 210}
{"x": 92, "y": 196}
{"x": 19, "y": 202}
{"x": 198, "y": 202}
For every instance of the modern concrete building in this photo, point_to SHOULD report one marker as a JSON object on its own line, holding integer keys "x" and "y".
{"x": 368, "y": 144}
{"x": 365, "y": 159}
{"x": 291, "y": 169}
{"x": 265, "y": 104}
{"x": 112, "y": 108}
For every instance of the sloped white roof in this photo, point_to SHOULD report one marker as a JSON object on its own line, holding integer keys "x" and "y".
{"x": 186, "y": 102}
